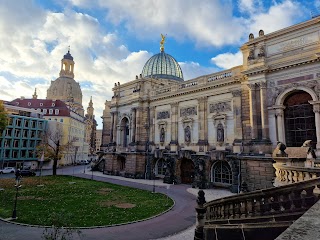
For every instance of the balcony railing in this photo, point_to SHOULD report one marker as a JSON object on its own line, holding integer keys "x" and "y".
{"x": 248, "y": 215}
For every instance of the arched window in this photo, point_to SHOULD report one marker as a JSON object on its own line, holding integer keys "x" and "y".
{"x": 299, "y": 119}
{"x": 125, "y": 132}
{"x": 221, "y": 173}
{"x": 160, "y": 169}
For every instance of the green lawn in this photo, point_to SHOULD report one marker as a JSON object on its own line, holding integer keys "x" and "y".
{"x": 83, "y": 204}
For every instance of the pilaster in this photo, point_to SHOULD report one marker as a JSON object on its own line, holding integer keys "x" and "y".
{"x": 264, "y": 110}
{"x": 253, "y": 110}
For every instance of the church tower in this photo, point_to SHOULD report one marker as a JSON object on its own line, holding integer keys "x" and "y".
{"x": 65, "y": 88}
{"x": 91, "y": 128}
{"x": 35, "y": 96}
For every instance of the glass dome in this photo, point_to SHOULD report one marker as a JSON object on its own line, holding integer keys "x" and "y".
{"x": 162, "y": 65}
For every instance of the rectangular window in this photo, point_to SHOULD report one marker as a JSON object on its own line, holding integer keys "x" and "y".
{"x": 56, "y": 111}
{"x": 44, "y": 111}
{"x": 50, "y": 111}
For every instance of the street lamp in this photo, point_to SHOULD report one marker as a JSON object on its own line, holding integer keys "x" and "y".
{"x": 17, "y": 186}
{"x": 154, "y": 180}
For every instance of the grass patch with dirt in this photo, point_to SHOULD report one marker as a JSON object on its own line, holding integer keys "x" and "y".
{"x": 82, "y": 204}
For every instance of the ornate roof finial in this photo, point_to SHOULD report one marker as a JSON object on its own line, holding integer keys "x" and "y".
{"x": 69, "y": 48}
{"x": 163, "y": 38}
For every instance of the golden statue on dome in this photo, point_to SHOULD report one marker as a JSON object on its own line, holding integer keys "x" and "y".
{"x": 163, "y": 38}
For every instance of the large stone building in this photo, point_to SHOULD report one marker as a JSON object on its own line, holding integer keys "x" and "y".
{"x": 218, "y": 129}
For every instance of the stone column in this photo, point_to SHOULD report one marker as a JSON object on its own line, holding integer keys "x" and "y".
{"x": 253, "y": 111}
{"x": 133, "y": 127}
{"x": 316, "y": 110}
{"x": 115, "y": 121}
{"x": 280, "y": 124}
{"x": 202, "y": 130}
{"x": 264, "y": 110}
{"x": 137, "y": 131}
{"x": 152, "y": 124}
{"x": 112, "y": 126}
{"x": 237, "y": 114}
{"x": 174, "y": 123}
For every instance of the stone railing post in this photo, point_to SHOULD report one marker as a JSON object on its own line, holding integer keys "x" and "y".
{"x": 198, "y": 233}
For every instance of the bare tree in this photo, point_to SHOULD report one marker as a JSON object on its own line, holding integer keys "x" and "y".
{"x": 52, "y": 147}
{"x": 3, "y": 118}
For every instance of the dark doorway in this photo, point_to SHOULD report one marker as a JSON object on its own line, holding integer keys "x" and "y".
{"x": 299, "y": 119}
{"x": 187, "y": 171}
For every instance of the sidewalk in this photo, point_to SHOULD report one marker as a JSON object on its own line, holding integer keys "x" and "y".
{"x": 210, "y": 194}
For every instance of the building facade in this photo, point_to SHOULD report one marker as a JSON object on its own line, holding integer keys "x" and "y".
{"x": 218, "y": 129}
{"x": 20, "y": 139}
{"x": 70, "y": 130}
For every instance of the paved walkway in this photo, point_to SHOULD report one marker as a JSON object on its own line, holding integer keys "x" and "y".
{"x": 174, "y": 225}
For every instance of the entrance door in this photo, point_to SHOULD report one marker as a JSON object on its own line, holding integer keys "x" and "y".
{"x": 187, "y": 171}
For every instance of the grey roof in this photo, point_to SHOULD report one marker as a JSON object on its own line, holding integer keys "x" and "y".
{"x": 162, "y": 65}
{"x": 68, "y": 56}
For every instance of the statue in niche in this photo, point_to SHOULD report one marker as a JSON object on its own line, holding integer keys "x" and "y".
{"x": 251, "y": 55}
{"x": 262, "y": 52}
{"x": 220, "y": 133}
{"x": 162, "y": 135}
{"x": 187, "y": 134}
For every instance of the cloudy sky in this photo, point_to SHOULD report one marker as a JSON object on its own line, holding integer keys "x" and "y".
{"x": 111, "y": 40}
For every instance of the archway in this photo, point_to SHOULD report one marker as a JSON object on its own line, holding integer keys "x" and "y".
{"x": 221, "y": 173}
{"x": 160, "y": 169}
{"x": 125, "y": 132}
{"x": 299, "y": 119}
{"x": 187, "y": 171}
{"x": 121, "y": 163}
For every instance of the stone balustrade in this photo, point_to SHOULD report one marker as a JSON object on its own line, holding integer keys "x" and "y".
{"x": 220, "y": 76}
{"x": 292, "y": 174}
{"x": 274, "y": 208}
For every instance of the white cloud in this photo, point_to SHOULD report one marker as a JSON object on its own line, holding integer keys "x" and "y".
{"x": 32, "y": 47}
{"x": 192, "y": 70}
{"x": 208, "y": 23}
{"x": 228, "y": 60}
{"x": 277, "y": 17}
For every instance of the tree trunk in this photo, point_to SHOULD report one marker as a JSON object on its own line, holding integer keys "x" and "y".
{"x": 55, "y": 160}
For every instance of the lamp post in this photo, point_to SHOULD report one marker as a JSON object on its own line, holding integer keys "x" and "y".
{"x": 154, "y": 181}
{"x": 17, "y": 186}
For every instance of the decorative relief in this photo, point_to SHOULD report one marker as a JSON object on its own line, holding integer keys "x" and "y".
{"x": 184, "y": 112}
{"x": 163, "y": 115}
{"x": 236, "y": 93}
{"x": 220, "y": 107}
{"x": 252, "y": 86}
